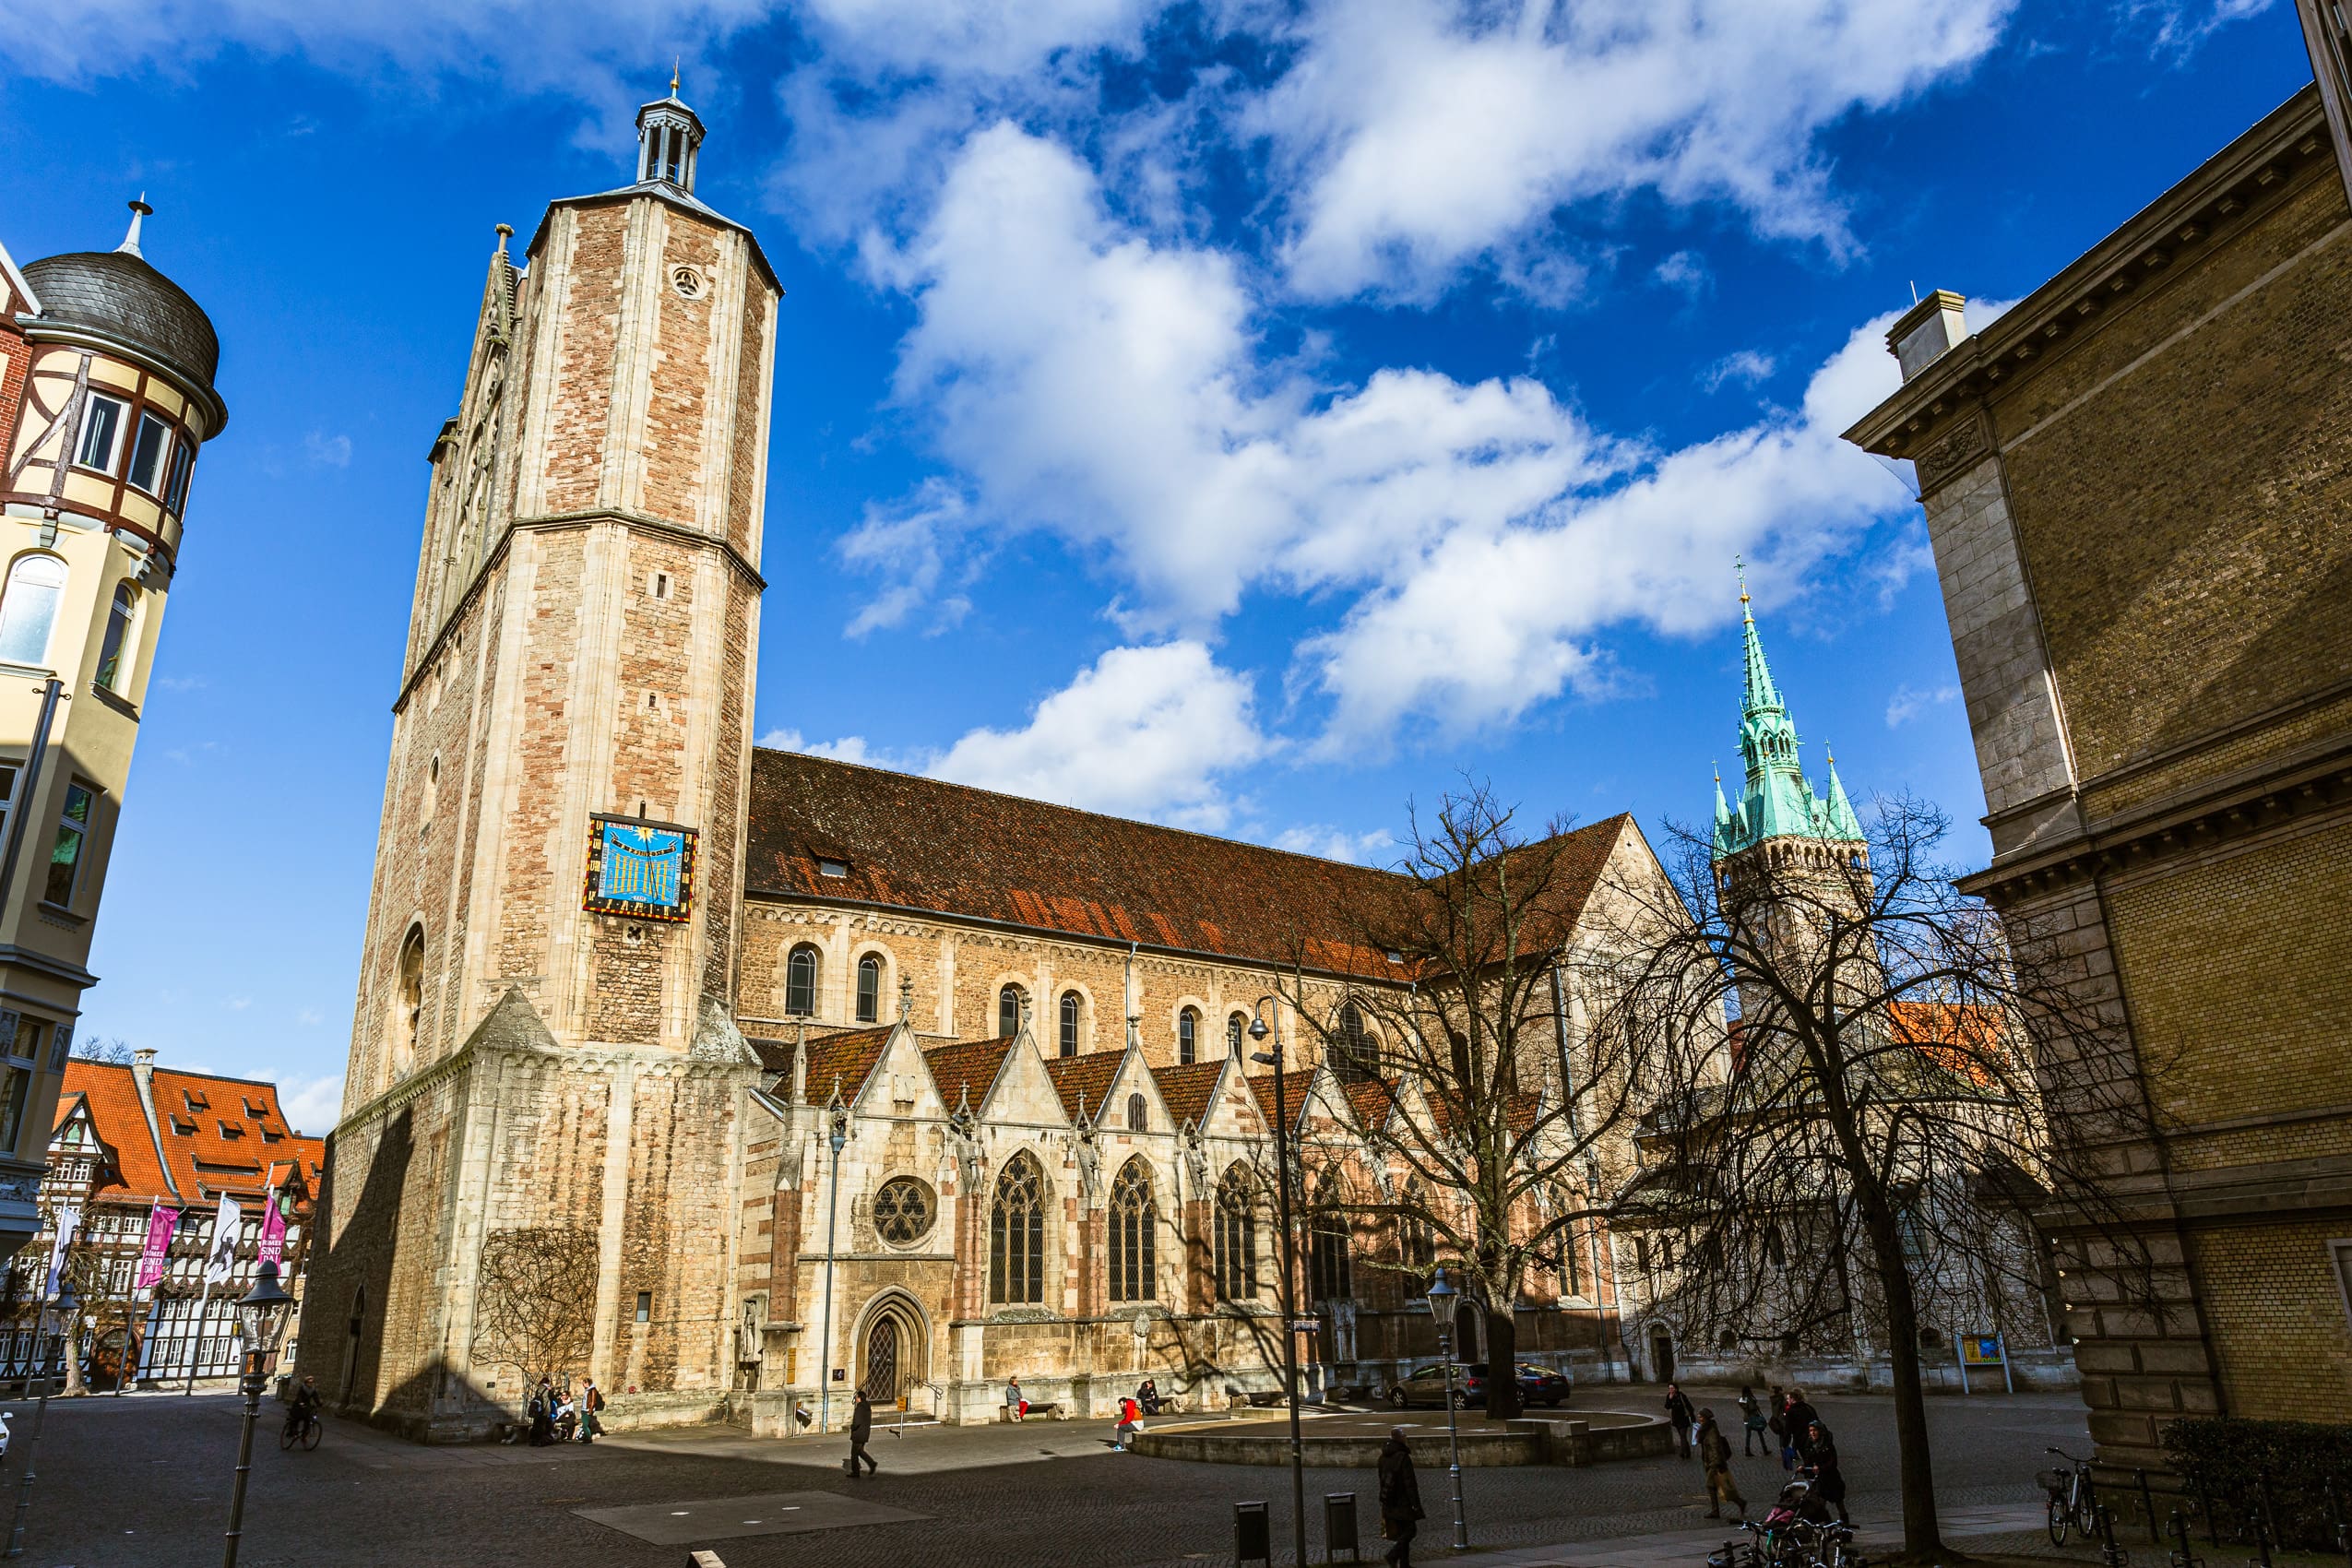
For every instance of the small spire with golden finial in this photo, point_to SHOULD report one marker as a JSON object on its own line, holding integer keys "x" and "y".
{"x": 675, "y": 62}
{"x": 1739, "y": 566}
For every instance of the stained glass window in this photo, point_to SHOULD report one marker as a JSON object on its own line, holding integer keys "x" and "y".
{"x": 800, "y": 982}
{"x": 1016, "y": 1235}
{"x": 902, "y": 1211}
{"x": 1133, "y": 1218}
{"x": 1236, "y": 1238}
{"x": 869, "y": 989}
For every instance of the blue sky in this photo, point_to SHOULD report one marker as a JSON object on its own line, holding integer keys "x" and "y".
{"x": 1247, "y": 415}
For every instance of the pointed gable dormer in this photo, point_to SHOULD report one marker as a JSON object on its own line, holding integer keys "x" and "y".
{"x": 669, "y": 141}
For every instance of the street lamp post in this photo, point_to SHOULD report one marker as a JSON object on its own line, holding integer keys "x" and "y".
{"x": 1289, "y": 1316}
{"x": 839, "y": 1135}
{"x": 261, "y": 1316}
{"x": 1443, "y": 1302}
{"x": 67, "y": 1308}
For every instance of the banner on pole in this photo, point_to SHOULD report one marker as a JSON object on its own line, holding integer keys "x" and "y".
{"x": 69, "y": 1220}
{"x": 228, "y": 1224}
{"x": 161, "y": 1223}
{"x": 273, "y": 1234}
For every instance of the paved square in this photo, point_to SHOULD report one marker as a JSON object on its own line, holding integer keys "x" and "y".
{"x": 731, "y": 1518}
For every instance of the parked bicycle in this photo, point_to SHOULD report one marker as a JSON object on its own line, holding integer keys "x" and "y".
{"x": 2072, "y": 1504}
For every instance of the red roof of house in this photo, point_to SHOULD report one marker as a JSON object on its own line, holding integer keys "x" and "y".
{"x": 1294, "y": 1090}
{"x": 1084, "y": 1080}
{"x": 923, "y": 844}
{"x": 210, "y": 1134}
{"x": 968, "y": 1069}
{"x": 1372, "y": 1100}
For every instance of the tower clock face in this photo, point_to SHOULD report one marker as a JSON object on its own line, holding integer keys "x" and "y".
{"x": 641, "y": 869}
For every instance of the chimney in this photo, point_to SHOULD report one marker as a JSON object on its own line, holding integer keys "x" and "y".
{"x": 143, "y": 1072}
{"x": 1921, "y": 335}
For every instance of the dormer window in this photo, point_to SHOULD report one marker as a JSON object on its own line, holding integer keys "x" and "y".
{"x": 233, "y": 1129}
{"x": 196, "y": 1100}
{"x": 826, "y": 867}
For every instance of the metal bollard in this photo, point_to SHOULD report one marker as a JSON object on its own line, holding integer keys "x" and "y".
{"x": 1252, "y": 1536}
{"x": 1340, "y": 1526}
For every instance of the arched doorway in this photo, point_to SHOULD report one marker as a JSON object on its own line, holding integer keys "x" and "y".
{"x": 1661, "y": 1353}
{"x": 892, "y": 1350}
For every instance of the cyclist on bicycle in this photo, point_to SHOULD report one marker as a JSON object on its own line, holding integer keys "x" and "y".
{"x": 306, "y": 1403}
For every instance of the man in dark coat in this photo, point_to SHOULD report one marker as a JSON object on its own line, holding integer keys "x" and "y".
{"x": 860, "y": 1429}
{"x": 1400, "y": 1499}
{"x": 1799, "y": 1419}
{"x": 1821, "y": 1457}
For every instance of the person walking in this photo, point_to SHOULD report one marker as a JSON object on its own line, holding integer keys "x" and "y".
{"x": 1679, "y": 1411}
{"x": 1400, "y": 1499}
{"x": 591, "y": 1405}
{"x": 1016, "y": 1405}
{"x": 1798, "y": 1423}
{"x": 1776, "y": 1423}
{"x": 1751, "y": 1422}
{"x": 860, "y": 1429}
{"x": 1714, "y": 1456}
{"x": 542, "y": 1414}
{"x": 1821, "y": 1457}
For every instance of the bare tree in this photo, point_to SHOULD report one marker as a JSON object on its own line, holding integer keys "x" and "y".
{"x": 535, "y": 1302}
{"x": 1878, "y": 1130}
{"x": 115, "y": 1052}
{"x": 1482, "y": 1147}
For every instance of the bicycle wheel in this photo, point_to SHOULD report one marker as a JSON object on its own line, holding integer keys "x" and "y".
{"x": 286, "y": 1435}
{"x": 2060, "y": 1515}
{"x": 313, "y": 1432}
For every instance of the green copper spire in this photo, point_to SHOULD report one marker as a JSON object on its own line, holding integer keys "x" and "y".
{"x": 1776, "y": 801}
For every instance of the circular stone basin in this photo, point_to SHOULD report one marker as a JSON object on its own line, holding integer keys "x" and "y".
{"x": 1352, "y": 1439}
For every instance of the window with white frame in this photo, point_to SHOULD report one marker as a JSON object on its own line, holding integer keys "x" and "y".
{"x": 147, "y": 450}
{"x": 101, "y": 432}
{"x": 28, "y": 608}
{"x": 113, "y": 660}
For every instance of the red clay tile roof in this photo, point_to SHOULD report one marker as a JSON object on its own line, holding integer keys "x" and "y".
{"x": 921, "y": 844}
{"x": 1372, "y": 1101}
{"x": 851, "y": 1058}
{"x": 1294, "y": 1090}
{"x": 211, "y": 1138}
{"x": 1084, "y": 1079}
{"x": 968, "y": 1068}
{"x": 1188, "y": 1089}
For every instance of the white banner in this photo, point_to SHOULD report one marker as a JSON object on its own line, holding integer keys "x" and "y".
{"x": 68, "y": 1221}
{"x": 220, "y": 1264}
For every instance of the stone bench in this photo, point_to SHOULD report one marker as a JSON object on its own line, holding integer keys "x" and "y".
{"x": 1039, "y": 1408}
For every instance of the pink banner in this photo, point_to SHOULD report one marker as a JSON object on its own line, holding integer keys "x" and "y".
{"x": 161, "y": 1223}
{"x": 273, "y": 1235}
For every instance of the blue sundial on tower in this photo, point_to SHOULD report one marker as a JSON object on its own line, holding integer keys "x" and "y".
{"x": 642, "y": 870}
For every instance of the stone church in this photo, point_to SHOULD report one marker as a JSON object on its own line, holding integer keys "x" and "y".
{"x": 858, "y": 1079}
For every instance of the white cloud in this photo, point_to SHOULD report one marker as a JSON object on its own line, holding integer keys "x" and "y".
{"x": 1422, "y": 135}
{"x": 312, "y": 1104}
{"x": 328, "y": 451}
{"x": 1375, "y": 847}
{"x": 1152, "y": 730}
{"x": 309, "y": 1017}
{"x": 1110, "y": 389}
{"x": 980, "y": 36}
{"x": 907, "y": 546}
{"x": 236, "y": 1003}
{"x": 1494, "y": 620}
{"x": 1909, "y": 702}
{"x": 1685, "y": 272}
{"x": 849, "y": 748}
{"x": 1746, "y": 366}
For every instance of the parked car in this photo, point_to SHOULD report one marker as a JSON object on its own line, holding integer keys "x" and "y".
{"x": 1538, "y": 1385}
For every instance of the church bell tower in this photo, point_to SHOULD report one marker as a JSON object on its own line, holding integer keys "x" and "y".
{"x": 543, "y": 1018}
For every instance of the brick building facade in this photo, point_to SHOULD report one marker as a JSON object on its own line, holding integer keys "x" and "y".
{"x": 2136, "y": 482}
{"x": 619, "y": 964}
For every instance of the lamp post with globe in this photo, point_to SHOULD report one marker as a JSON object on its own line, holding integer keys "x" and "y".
{"x": 1444, "y": 1301}
{"x": 261, "y": 1318}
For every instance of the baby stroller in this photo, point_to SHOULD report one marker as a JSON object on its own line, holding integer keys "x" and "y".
{"x": 1798, "y": 1531}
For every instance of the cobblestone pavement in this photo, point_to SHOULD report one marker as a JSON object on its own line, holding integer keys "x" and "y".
{"x": 144, "y": 1481}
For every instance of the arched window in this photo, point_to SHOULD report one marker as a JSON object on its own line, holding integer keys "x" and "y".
{"x": 1137, "y": 1115}
{"x": 1008, "y": 1011}
{"x": 1016, "y": 1235}
{"x": 1069, "y": 1040}
{"x": 1188, "y": 1035}
{"x": 800, "y": 982}
{"x": 408, "y": 1004}
{"x": 1133, "y": 1218}
{"x": 1330, "y": 1277}
{"x": 28, "y": 608}
{"x": 1352, "y": 1047}
{"x": 1236, "y": 1238}
{"x": 870, "y": 989}
{"x": 113, "y": 663}
{"x": 1236, "y": 1029}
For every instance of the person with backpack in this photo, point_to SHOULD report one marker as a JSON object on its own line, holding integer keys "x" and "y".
{"x": 543, "y": 1413}
{"x": 1130, "y": 1422}
{"x": 1715, "y": 1458}
{"x": 1751, "y": 1421}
